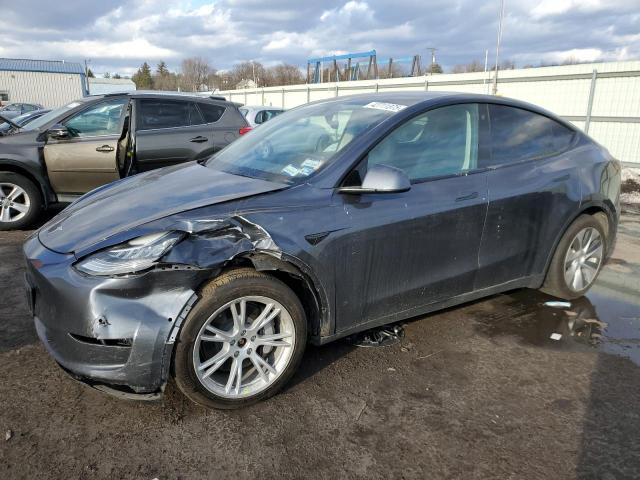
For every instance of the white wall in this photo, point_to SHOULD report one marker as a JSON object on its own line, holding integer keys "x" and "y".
{"x": 51, "y": 90}
{"x": 101, "y": 86}
{"x": 564, "y": 90}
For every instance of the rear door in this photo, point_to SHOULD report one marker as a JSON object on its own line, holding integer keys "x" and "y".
{"x": 533, "y": 193}
{"x": 87, "y": 159}
{"x": 169, "y": 131}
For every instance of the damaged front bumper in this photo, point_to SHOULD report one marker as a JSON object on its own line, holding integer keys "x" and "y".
{"x": 111, "y": 332}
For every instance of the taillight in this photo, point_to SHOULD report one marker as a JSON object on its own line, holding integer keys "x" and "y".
{"x": 244, "y": 130}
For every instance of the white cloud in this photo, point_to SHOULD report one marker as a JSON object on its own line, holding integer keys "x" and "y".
{"x": 557, "y": 7}
{"x": 118, "y": 35}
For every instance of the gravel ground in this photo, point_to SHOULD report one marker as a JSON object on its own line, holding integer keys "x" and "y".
{"x": 478, "y": 391}
{"x": 631, "y": 187}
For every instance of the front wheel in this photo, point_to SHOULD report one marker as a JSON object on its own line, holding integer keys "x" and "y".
{"x": 242, "y": 342}
{"x": 20, "y": 201}
{"x": 577, "y": 260}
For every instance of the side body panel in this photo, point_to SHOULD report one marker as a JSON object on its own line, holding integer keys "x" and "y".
{"x": 81, "y": 164}
{"x": 168, "y": 146}
{"x": 399, "y": 252}
{"x": 529, "y": 205}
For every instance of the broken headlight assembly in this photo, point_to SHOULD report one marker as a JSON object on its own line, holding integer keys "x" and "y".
{"x": 133, "y": 256}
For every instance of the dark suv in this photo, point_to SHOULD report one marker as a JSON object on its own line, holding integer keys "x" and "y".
{"x": 99, "y": 139}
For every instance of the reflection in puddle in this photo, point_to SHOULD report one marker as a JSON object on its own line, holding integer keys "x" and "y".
{"x": 597, "y": 320}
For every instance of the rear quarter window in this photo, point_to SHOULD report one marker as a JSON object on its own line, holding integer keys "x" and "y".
{"x": 211, "y": 113}
{"x": 518, "y": 134}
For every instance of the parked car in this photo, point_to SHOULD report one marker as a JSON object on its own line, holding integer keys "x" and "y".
{"x": 257, "y": 115}
{"x": 13, "y": 125}
{"x": 12, "y": 110}
{"x": 220, "y": 272}
{"x": 99, "y": 139}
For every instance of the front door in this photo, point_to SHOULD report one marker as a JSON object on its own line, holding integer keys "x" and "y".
{"x": 401, "y": 251}
{"x": 87, "y": 158}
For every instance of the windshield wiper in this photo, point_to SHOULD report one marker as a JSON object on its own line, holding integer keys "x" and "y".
{"x": 13, "y": 124}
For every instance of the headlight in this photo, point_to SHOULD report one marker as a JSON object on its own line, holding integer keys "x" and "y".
{"x": 133, "y": 256}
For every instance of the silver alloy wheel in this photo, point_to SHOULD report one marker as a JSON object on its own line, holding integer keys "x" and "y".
{"x": 14, "y": 202}
{"x": 583, "y": 259}
{"x": 244, "y": 346}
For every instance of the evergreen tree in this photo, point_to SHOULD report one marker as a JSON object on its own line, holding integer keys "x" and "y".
{"x": 90, "y": 73}
{"x": 142, "y": 78}
{"x": 162, "y": 69}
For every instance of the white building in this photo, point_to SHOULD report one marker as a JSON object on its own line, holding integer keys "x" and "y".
{"x": 48, "y": 83}
{"x": 101, "y": 86}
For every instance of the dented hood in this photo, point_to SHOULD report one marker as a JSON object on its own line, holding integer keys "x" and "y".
{"x": 134, "y": 201}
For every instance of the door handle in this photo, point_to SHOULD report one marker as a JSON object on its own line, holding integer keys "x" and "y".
{"x": 199, "y": 139}
{"x": 105, "y": 148}
{"x": 469, "y": 196}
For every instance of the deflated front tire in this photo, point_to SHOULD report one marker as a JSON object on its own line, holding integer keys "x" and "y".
{"x": 242, "y": 342}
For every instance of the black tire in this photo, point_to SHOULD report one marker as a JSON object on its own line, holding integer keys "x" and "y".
{"x": 34, "y": 199}
{"x": 555, "y": 283}
{"x": 217, "y": 293}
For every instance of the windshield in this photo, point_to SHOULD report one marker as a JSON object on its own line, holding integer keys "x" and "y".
{"x": 19, "y": 120}
{"x": 296, "y": 144}
{"x": 47, "y": 117}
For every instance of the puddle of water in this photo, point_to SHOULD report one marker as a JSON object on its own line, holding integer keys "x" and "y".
{"x": 598, "y": 320}
{"x": 607, "y": 318}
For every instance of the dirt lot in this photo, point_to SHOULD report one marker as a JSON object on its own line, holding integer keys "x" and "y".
{"x": 479, "y": 391}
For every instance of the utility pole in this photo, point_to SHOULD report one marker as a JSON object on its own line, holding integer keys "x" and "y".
{"x": 433, "y": 57}
{"x": 86, "y": 67}
{"x": 495, "y": 78}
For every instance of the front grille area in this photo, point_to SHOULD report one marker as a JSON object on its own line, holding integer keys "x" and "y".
{"x": 107, "y": 342}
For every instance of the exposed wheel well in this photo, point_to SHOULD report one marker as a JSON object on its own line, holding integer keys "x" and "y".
{"x": 8, "y": 167}
{"x": 291, "y": 276}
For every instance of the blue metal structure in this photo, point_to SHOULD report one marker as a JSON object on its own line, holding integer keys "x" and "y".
{"x": 353, "y": 72}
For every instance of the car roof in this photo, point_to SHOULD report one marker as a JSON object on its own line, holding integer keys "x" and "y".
{"x": 261, "y": 107}
{"x": 424, "y": 99}
{"x": 167, "y": 94}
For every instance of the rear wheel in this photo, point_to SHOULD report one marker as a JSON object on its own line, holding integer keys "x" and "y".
{"x": 20, "y": 201}
{"x": 578, "y": 259}
{"x": 242, "y": 342}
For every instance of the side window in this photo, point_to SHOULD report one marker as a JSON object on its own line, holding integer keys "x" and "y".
{"x": 260, "y": 117}
{"x": 98, "y": 120}
{"x": 211, "y": 113}
{"x": 167, "y": 114}
{"x": 440, "y": 142}
{"x": 29, "y": 108}
{"x": 518, "y": 134}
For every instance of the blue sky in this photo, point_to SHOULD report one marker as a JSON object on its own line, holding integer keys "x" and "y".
{"x": 117, "y": 35}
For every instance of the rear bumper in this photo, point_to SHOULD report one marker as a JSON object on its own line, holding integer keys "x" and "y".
{"x": 108, "y": 332}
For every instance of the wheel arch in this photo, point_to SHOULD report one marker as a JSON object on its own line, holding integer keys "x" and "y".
{"x": 591, "y": 208}
{"x": 299, "y": 278}
{"x": 45, "y": 190}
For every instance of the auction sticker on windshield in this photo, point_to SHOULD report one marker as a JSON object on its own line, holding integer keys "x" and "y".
{"x": 389, "y": 107}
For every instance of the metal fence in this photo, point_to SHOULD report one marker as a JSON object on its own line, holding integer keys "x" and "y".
{"x": 603, "y": 99}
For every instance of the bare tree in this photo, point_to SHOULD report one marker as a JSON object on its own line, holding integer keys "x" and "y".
{"x": 195, "y": 74}
{"x": 284, "y": 74}
{"x": 474, "y": 66}
{"x": 249, "y": 71}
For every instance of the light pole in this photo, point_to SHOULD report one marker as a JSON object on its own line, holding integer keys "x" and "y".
{"x": 495, "y": 77}
{"x": 433, "y": 58}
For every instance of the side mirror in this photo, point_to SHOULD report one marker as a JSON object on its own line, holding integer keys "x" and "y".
{"x": 381, "y": 179}
{"x": 58, "y": 132}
